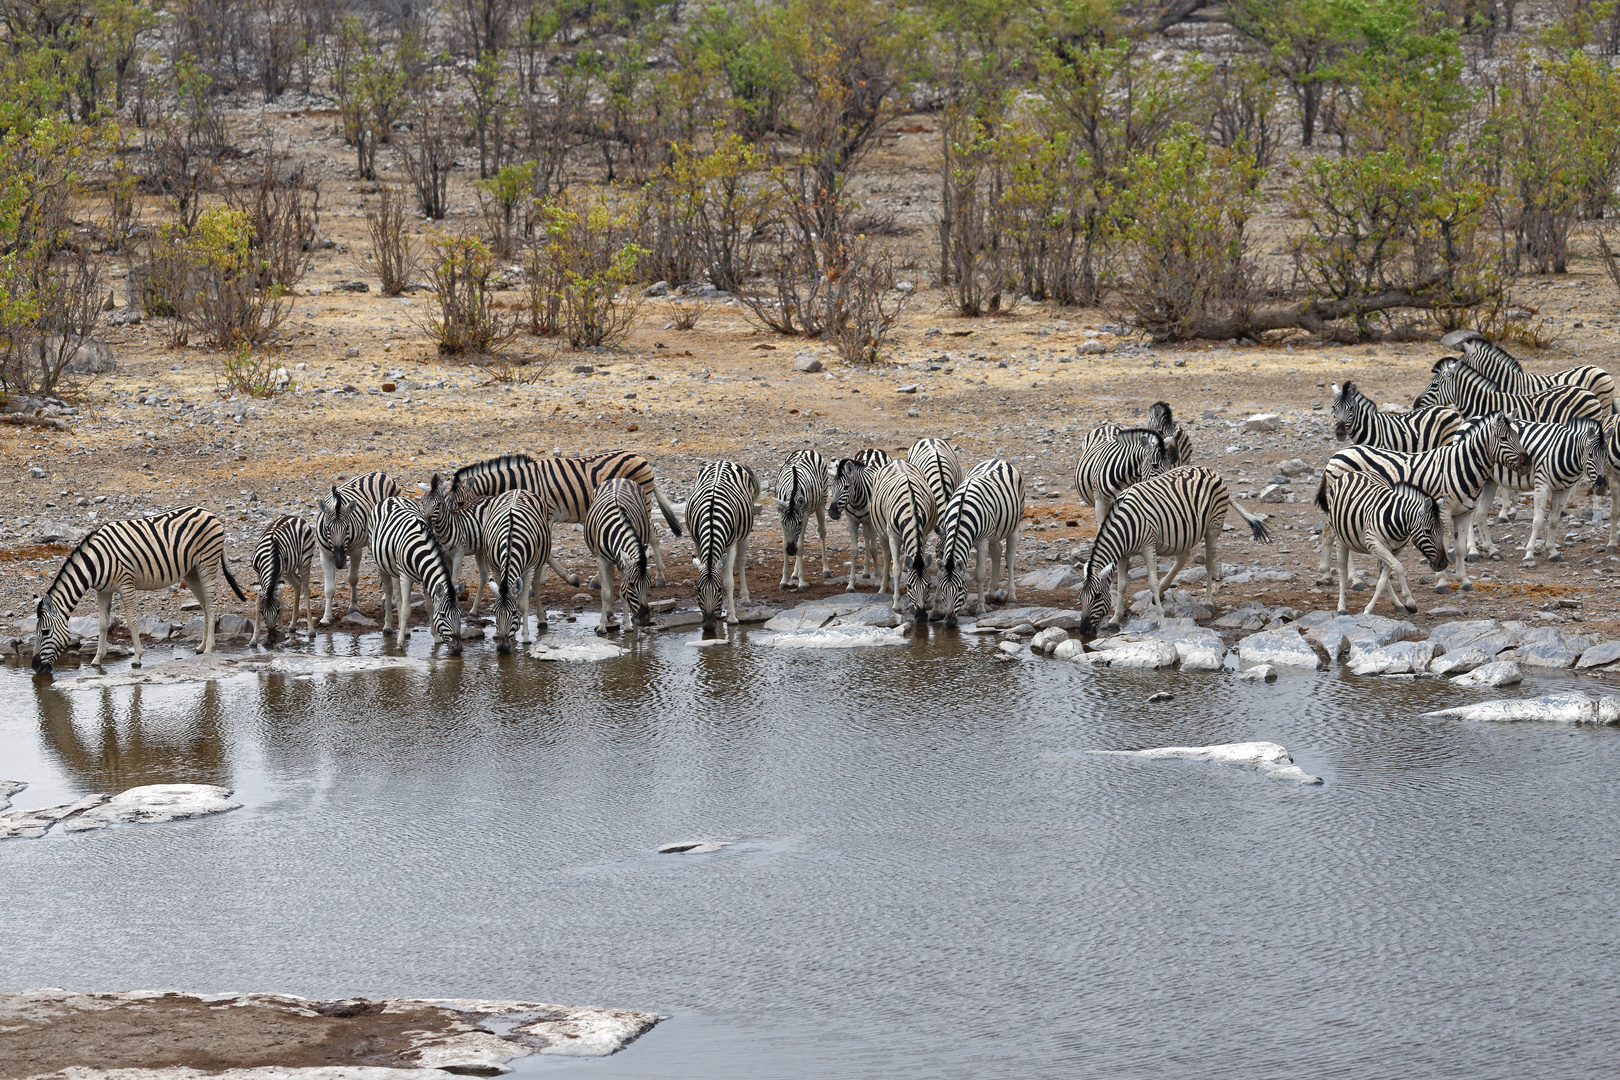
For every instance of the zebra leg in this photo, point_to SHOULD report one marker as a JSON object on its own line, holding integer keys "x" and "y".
{"x": 329, "y": 570}
{"x": 742, "y": 570}
{"x": 387, "y": 587}
{"x": 1557, "y": 500}
{"x": 1344, "y": 571}
{"x": 854, "y": 547}
{"x": 1480, "y": 526}
{"x": 354, "y": 579}
{"x": 1175, "y": 572}
{"x": 104, "y": 615}
{"x": 787, "y": 561}
{"x": 978, "y": 574}
{"x": 728, "y": 567}
{"x": 821, "y": 528}
{"x": 1392, "y": 566}
{"x": 1449, "y": 527}
{"x": 202, "y": 586}
{"x": 658, "y": 561}
{"x": 1212, "y": 564}
{"x": 604, "y": 574}
{"x": 1010, "y": 543}
{"x": 1150, "y": 555}
{"x": 483, "y": 581}
{"x": 1122, "y": 573}
{"x": 891, "y": 549}
{"x": 1614, "y": 504}
{"x": 551, "y": 561}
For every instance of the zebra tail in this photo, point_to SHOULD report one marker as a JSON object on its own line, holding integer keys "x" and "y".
{"x": 668, "y": 509}
{"x": 1257, "y": 524}
{"x": 235, "y": 588}
{"x": 1321, "y": 494}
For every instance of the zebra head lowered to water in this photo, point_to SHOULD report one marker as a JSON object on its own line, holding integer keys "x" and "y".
{"x": 981, "y": 518}
{"x": 286, "y": 548}
{"x": 517, "y": 545}
{"x": 720, "y": 515}
{"x": 406, "y": 551}
{"x": 903, "y": 514}
{"x": 618, "y": 531}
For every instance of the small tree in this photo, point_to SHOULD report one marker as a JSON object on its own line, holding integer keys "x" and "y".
{"x": 393, "y": 252}
{"x": 429, "y": 155}
{"x": 466, "y": 322}
{"x": 593, "y": 254}
{"x": 500, "y": 197}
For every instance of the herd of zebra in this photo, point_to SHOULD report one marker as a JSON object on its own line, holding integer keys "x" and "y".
{"x": 1482, "y": 424}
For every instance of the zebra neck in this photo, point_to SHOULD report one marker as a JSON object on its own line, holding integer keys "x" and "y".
{"x": 76, "y": 578}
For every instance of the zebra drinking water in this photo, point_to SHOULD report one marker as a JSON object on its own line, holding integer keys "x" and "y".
{"x": 517, "y": 543}
{"x": 343, "y": 523}
{"x": 1367, "y": 515}
{"x": 618, "y": 531}
{"x": 982, "y": 517}
{"x": 903, "y": 514}
{"x": 940, "y": 464}
{"x": 406, "y": 551}
{"x": 720, "y": 515}
{"x": 852, "y": 495}
{"x": 121, "y": 557}
{"x": 801, "y": 490}
{"x": 1358, "y": 421}
{"x": 286, "y": 548}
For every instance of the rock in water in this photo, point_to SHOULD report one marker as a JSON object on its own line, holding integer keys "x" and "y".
{"x": 1270, "y": 758}
{"x": 576, "y": 651}
{"x": 1561, "y": 708}
{"x": 1259, "y": 673}
{"x": 154, "y": 803}
{"x": 833, "y": 637}
{"x": 1495, "y": 673}
{"x": 1140, "y": 654}
{"x": 1284, "y": 646}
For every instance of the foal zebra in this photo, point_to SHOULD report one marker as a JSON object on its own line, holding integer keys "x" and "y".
{"x": 1366, "y": 514}
{"x": 1112, "y": 459}
{"x": 903, "y": 514}
{"x": 720, "y": 515}
{"x": 618, "y": 531}
{"x": 801, "y": 490}
{"x": 1357, "y": 420}
{"x": 852, "y": 494}
{"x": 1455, "y": 383}
{"x": 343, "y": 523}
{"x": 285, "y": 550}
{"x": 517, "y": 544}
{"x": 982, "y": 516}
{"x": 1562, "y": 456}
{"x": 1168, "y": 514}
{"x": 123, "y": 556}
{"x": 1454, "y": 475}
{"x": 406, "y": 551}
{"x": 1503, "y": 369}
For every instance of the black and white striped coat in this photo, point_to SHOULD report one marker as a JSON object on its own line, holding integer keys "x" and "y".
{"x": 1454, "y": 475}
{"x": 1504, "y": 369}
{"x": 1611, "y": 455}
{"x": 1562, "y": 456}
{"x": 982, "y": 517}
{"x": 1367, "y": 515}
{"x": 1168, "y": 514}
{"x": 1358, "y": 421}
{"x": 125, "y": 556}
{"x": 1112, "y": 459}
{"x": 940, "y": 464}
{"x": 801, "y": 490}
{"x": 343, "y": 523}
{"x": 286, "y": 549}
{"x": 852, "y": 496}
{"x": 903, "y": 514}
{"x": 618, "y": 531}
{"x": 516, "y": 546}
{"x": 458, "y": 526}
{"x": 406, "y": 551}
{"x": 1161, "y": 420}
{"x": 720, "y": 515}
{"x": 1472, "y": 394}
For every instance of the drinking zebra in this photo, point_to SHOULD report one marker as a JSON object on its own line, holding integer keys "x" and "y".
{"x": 516, "y": 543}
{"x": 1168, "y": 514}
{"x": 720, "y": 515}
{"x": 286, "y": 548}
{"x": 343, "y": 523}
{"x": 458, "y": 526}
{"x": 1503, "y": 369}
{"x": 406, "y": 551}
{"x": 1112, "y": 459}
{"x": 852, "y": 495}
{"x": 939, "y": 462}
{"x": 125, "y": 556}
{"x": 1357, "y": 420}
{"x": 1366, "y": 514}
{"x": 1454, "y": 475}
{"x": 801, "y": 490}
{"x": 903, "y": 514}
{"x": 1562, "y": 456}
{"x": 1455, "y": 383}
{"x": 567, "y": 485}
{"x": 982, "y": 516}
{"x": 618, "y": 531}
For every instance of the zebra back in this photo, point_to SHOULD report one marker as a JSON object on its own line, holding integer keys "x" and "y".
{"x": 903, "y": 505}
{"x": 1561, "y": 455}
{"x": 402, "y": 542}
{"x": 940, "y": 465}
{"x": 1474, "y": 394}
{"x": 1358, "y": 420}
{"x": 566, "y": 484}
{"x": 720, "y": 510}
{"x": 516, "y": 538}
{"x": 1173, "y": 511}
{"x": 1456, "y": 472}
{"x": 1109, "y": 465}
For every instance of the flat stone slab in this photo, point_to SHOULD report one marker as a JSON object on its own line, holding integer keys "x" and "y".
{"x": 1269, "y": 758}
{"x": 1570, "y": 707}
{"x": 1398, "y": 658}
{"x": 1039, "y": 617}
{"x": 213, "y": 666}
{"x": 1600, "y": 655}
{"x": 836, "y": 637}
{"x": 1495, "y": 673}
{"x": 1284, "y": 645}
{"x": 143, "y": 1032}
{"x": 137, "y": 806}
{"x": 576, "y": 651}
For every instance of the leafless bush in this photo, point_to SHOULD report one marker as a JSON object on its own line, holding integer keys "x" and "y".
{"x": 283, "y": 220}
{"x": 866, "y": 302}
{"x": 686, "y": 315}
{"x": 393, "y": 252}
{"x": 183, "y": 151}
{"x": 429, "y": 153}
{"x": 41, "y": 338}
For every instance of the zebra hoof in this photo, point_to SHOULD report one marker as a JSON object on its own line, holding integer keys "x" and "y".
{"x": 134, "y": 665}
{"x": 595, "y": 586}
{"x": 1324, "y": 581}
{"x": 1610, "y": 549}
{"x": 781, "y": 586}
{"x": 1344, "y": 611}
{"x": 1468, "y": 586}
{"x": 1473, "y": 556}
{"x": 1411, "y": 609}
{"x": 803, "y": 586}
{"x": 1556, "y": 557}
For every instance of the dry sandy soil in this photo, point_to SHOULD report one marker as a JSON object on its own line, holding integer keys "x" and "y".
{"x": 1015, "y": 386}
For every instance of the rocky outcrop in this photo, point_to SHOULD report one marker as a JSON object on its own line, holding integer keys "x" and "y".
{"x": 1495, "y": 673}
{"x": 1570, "y": 707}
{"x": 140, "y": 805}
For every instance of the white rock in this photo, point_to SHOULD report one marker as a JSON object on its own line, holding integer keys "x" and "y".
{"x": 1284, "y": 646}
{"x": 8, "y": 788}
{"x": 154, "y": 803}
{"x": 1069, "y": 649}
{"x": 698, "y": 641}
{"x": 836, "y": 637}
{"x": 1569, "y": 707}
{"x": 1259, "y": 673}
{"x": 1464, "y": 659}
{"x": 1263, "y": 422}
{"x": 1140, "y": 654}
{"x": 1048, "y": 639}
{"x": 1401, "y": 658}
{"x": 1198, "y": 658}
{"x": 576, "y": 651}
{"x": 33, "y": 824}
{"x": 1493, "y": 673}
{"x": 1011, "y": 648}
{"x": 1268, "y": 757}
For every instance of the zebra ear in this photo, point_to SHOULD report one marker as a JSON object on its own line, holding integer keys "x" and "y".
{"x": 438, "y": 482}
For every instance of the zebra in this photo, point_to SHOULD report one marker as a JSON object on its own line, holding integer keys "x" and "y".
{"x": 1503, "y": 369}
{"x": 618, "y": 531}
{"x": 983, "y": 515}
{"x": 939, "y": 462}
{"x": 852, "y": 494}
{"x": 343, "y": 523}
{"x": 1562, "y": 456}
{"x": 1166, "y": 514}
{"x": 406, "y": 551}
{"x": 1455, "y": 383}
{"x": 567, "y": 485}
{"x": 1366, "y": 514}
{"x": 1112, "y": 459}
{"x": 124, "y": 556}
{"x": 720, "y": 515}
{"x": 903, "y": 514}
{"x": 1454, "y": 475}
{"x": 286, "y": 548}
{"x": 1357, "y": 420}
{"x": 801, "y": 490}
{"x": 458, "y": 526}
{"x": 1161, "y": 420}
{"x": 517, "y": 543}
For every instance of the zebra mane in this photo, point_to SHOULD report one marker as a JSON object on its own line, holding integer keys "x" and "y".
{"x": 1485, "y": 347}
{"x": 74, "y": 556}
{"x": 487, "y": 466}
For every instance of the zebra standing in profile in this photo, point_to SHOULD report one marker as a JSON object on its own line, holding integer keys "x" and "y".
{"x": 1455, "y": 383}
{"x": 1358, "y": 421}
{"x": 940, "y": 463}
{"x": 516, "y": 543}
{"x": 801, "y": 490}
{"x": 1454, "y": 475}
{"x": 1366, "y": 514}
{"x": 982, "y": 516}
{"x": 720, "y": 515}
{"x": 343, "y": 523}
{"x": 903, "y": 514}
{"x": 567, "y": 485}
{"x": 1110, "y": 463}
{"x": 1561, "y": 456}
{"x": 618, "y": 531}
{"x": 1503, "y": 369}
{"x": 406, "y": 551}
{"x": 125, "y": 556}
{"x": 286, "y": 548}
{"x": 1168, "y": 514}
{"x": 852, "y": 495}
